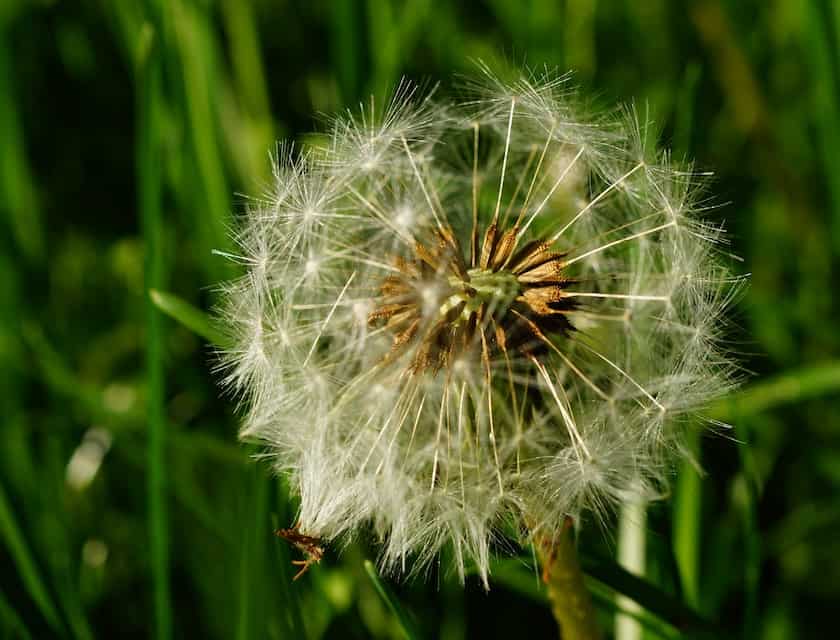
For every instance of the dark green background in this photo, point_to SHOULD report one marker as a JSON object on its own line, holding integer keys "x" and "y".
{"x": 126, "y": 131}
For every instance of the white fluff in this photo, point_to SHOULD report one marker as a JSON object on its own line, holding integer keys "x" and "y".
{"x": 442, "y": 458}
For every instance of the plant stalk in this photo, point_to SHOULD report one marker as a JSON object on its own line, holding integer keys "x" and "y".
{"x": 571, "y": 603}
{"x": 149, "y": 87}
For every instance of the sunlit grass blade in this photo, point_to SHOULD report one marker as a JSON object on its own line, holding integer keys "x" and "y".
{"x": 407, "y": 626}
{"x": 15, "y": 542}
{"x": 197, "y": 58}
{"x": 392, "y": 35}
{"x": 245, "y": 54}
{"x": 383, "y": 38}
{"x": 149, "y": 97}
{"x": 688, "y": 498}
{"x": 190, "y": 316}
{"x": 793, "y": 386}
{"x": 247, "y": 125}
{"x": 579, "y": 36}
{"x": 688, "y": 490}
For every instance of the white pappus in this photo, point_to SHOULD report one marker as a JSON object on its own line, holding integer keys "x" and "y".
{"x": 466, "y": 321}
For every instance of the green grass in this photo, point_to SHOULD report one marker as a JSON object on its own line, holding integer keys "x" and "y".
{"x": 149, "y": 89}
{"x": 25, "y": 564}
{"x": 406, "y": 625}
{"x": 129, "y": 131}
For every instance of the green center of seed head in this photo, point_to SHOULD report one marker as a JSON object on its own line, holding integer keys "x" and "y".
{"x": 496, "y": 289}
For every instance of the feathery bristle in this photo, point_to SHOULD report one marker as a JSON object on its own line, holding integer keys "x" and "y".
{"x": 459, "y": 316}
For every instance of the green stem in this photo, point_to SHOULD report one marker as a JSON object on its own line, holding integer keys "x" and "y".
{"x": 149, "y": 89}
{"x": 571, "y": 603}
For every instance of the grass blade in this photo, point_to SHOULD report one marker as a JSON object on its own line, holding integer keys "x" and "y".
{"x": 245, "y": 54}
{"x": 252, "y": 559}
{"x": 604, "y": 574}
{"x": 197, "y": 56}
{"x": 745, "y": 496}
{"x": 684, "y": 108}
{"x": 688, "y": 490}
{"x": 246, "y": 116}
{"x": 406, "y": 624}
{"x": 149, "y": 98}
{"x": 519, "y": 578}
{"x": 346, "y": 47}
{"x": 31, "y": 578}
{"x": 652, "y": 626}
{"x": 188, "y": 315}
{"x": 11, "y": 624}
{"x": 656, "y": 601}
{"x": 685, "y": 527}
{"x": 19, "y": 201}
{"x": 786, "y": 388}
{"x": 821, "y": 57}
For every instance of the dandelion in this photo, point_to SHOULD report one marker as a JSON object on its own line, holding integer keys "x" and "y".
{"x": 468, "y": 322}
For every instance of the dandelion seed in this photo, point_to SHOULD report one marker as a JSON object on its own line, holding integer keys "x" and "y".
{"x": 459, "y": 316}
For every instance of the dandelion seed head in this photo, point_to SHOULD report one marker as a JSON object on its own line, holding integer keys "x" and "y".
{"x": 469, "y": 317}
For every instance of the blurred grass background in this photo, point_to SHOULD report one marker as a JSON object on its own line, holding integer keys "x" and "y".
{"x": 127, "y": 508}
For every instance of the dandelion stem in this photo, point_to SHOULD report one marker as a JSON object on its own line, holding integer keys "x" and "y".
{"x": 571, "y": 604}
